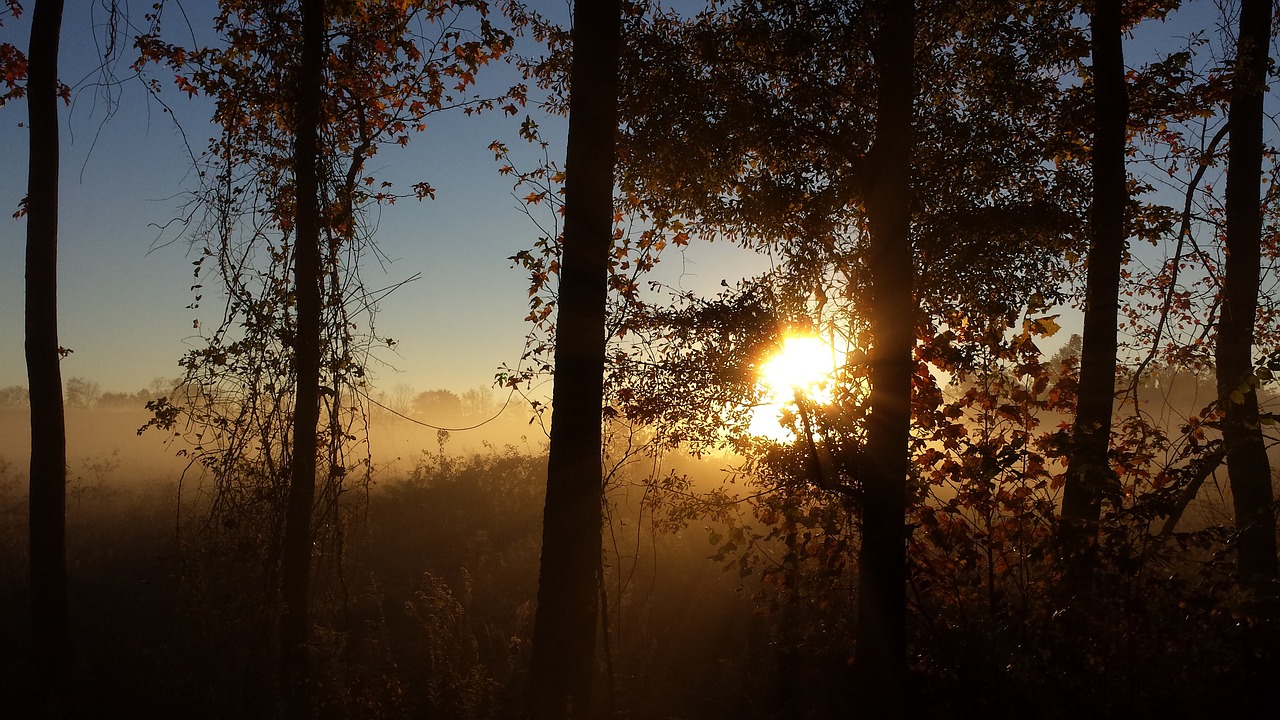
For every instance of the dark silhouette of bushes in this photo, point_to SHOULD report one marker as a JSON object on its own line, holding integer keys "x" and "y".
{"x": 431, "y": 613}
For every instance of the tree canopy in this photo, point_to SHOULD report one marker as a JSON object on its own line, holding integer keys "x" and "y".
{"x": 1038, "y": 259}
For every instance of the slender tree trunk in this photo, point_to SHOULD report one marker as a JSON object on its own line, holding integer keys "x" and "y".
{"x": 1088, "y": 467}
{"x": 48, "y": 491}
{"x": 880, "y": 663}
{"x": 296, "y": 555}
{"x": 1247, "y": 465}
{"x": 565, "y": 624}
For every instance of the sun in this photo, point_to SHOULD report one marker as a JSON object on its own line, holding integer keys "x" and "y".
{"x": 803, "y": 361}
{"x": 801, "y": 367}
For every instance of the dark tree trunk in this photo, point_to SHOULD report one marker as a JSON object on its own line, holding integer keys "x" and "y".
{"x": 880, "y": 664}
{"x": 51, "y": 647}
{"x": 1088, "y": 467}
{"x": 1247, "y": 464}
{"x": 565, "y": 625}
{"x": 296, "y": 555}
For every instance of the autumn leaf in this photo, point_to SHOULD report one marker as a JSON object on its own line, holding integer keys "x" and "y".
{"x": 1046, "y": 326}
{"x": 185, "y": 86}
{"x": 424, "y": 190}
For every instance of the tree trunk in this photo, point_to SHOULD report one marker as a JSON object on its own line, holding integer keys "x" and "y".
{"x": 563, "y": 663}
{"x": 1247, "y": 465}
{"x": 880, "y": 664}
{"x": 51, "y": 646}
{"x": 1088, "y": 467}
{"x": 296, "y": 554}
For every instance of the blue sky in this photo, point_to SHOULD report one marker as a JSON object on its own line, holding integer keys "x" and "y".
{"x": 123, "y": 295}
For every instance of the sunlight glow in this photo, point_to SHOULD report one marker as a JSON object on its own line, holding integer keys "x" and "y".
{"x": 803, "y": 365}
{"x": 804, "y": 361}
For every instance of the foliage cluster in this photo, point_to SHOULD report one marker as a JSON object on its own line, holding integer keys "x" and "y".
{"x": 389, "y": 67}
{"x": 748, "y": 122}
{"x": 13, "y": 62}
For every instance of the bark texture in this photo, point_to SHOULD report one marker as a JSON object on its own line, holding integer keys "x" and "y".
{"x": 1088, "y": 469}
{"x": 564, "y": 636}
{"x": 880, "y": 663}
{"x": 51, "y": 647}
{"x": 296, "y": 551}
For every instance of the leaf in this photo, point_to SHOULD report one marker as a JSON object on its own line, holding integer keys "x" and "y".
{"x": 1046, "y": 326}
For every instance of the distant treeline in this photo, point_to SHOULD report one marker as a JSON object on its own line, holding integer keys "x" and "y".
{"x": 79, "y": 392}
{"x": 437, "y": 404}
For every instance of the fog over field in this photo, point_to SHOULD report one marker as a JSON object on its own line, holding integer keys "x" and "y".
{"x": 103, "y": 427}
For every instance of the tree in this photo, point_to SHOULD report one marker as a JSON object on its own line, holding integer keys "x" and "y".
{"x": 82, "y": 393}
{"x": 881, "y": 660}
{"x": 1068, "y": 353}
{"x": 295, "y": 567}
{"x": 1247, "y": 464}
{"x": 50, "y": 635}
{"x": 874, "y": 157}
{"x": 440, "y": 407}
{"x": 1089, "y": 475}
{"x": 563, "y": 661}
{"x": 14, "y": 396}
{"x": 305, "y": 94}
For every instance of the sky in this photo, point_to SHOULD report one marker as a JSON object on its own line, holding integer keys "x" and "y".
{"x": 125, "y": 285}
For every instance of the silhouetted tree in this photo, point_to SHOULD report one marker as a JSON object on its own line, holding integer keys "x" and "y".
{"x": 1069, "y": 350}
{"x": 14, "y": 396}
{"x": 1247, "y": 464}
{"x": 82, "y": 393}
{"x": 438, "y": 406}
{"x": 305, "y": 93}
{"x": 563, "y": 663}
{"x": 48, "y": 553}
{"x": 1089, "y": 470}
{"x": 295, "y": 568}
{"x": 881, "y": 657}
{"x": 814, "y": 129}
